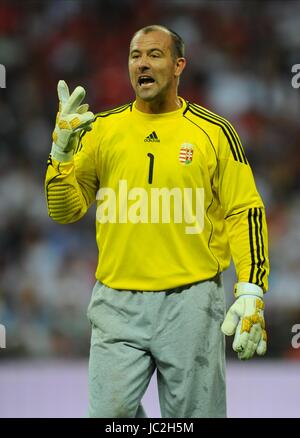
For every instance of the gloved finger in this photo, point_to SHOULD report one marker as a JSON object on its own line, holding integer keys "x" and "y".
{"x": 255, "y": 334}
{"x": 74, "y": 100}
{"x": 86, "y": 119}
{"x": 84, "y": 127}
{"x": 83, "y": 108}
{"x": 253, "y": 342}
{"x": 245, "y": 355}
{"x": 252, "y": 349}
{"x": 63, "y": 92}
{"x": 248, "y": 352}
{"x": 78, "y": 121}
{"x": 230, "y": 323}
{"x": 236, "y": 341}
{"x": 262, "y": 347}
{"x": 240, "y": 340}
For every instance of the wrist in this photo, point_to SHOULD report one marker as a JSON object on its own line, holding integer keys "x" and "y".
{"x": 59, "y": 155}
{"x": 243, "y": 288}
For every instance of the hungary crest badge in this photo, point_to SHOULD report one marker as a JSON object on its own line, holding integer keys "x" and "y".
{"x": 186, "y": 153}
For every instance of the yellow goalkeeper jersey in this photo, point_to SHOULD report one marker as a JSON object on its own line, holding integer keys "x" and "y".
{"x": 175, "y": 198}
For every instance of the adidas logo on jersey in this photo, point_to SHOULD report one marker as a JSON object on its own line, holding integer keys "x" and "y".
{"x": 152, "y": 137}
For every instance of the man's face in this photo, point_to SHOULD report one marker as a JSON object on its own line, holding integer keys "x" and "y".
{"x": 152, "y": 69}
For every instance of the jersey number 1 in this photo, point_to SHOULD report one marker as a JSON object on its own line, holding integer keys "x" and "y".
{"x": 151, "y": 164}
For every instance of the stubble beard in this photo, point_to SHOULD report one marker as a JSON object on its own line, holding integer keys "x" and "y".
{"x": 158, "y": 95}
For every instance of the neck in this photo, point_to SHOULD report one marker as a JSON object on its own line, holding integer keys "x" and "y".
{"x": 158, "y": 106}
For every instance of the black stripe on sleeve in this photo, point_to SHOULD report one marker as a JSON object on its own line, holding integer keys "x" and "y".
{"x": 263, "y": 271}
{"x": 251, "y": 245}
{"x": 258, "y": 270}
{"x": 257, "y": 243}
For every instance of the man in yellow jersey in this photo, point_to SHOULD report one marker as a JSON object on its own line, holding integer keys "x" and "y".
{"x": 175, "y": 200}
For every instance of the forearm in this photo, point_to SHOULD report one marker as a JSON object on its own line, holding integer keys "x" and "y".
{"x": 65, "y": 198}
{"x": 248, "y": 239}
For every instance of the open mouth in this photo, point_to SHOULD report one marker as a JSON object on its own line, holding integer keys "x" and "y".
{"x": 145, "y": 81}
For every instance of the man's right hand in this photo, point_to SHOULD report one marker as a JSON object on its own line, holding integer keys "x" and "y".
{"x": 71, "y": 119}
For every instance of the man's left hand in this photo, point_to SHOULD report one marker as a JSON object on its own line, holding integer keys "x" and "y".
{"x": 245, "y": 319}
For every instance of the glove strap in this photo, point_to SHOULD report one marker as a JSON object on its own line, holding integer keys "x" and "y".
{"x": 243, "y": 288}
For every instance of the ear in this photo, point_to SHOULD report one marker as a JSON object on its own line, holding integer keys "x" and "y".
{"x": 179, "y": 66}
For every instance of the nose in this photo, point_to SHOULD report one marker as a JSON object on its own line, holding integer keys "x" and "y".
{"x": 143, "y": 64}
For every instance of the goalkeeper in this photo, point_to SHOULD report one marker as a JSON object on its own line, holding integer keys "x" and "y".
{"x": 176, "y": 199}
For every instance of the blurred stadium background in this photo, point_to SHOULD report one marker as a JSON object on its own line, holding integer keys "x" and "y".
{"x": 240, "y": 55}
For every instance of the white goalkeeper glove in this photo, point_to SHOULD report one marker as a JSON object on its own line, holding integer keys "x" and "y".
{"x": 71, "y": 119}
{"x": 245, "y": 319}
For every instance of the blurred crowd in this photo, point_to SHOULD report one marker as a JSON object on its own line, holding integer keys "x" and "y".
{"x": 240, "y": 55}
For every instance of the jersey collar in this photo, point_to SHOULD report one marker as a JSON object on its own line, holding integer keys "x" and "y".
{"x": 161, "y": 116}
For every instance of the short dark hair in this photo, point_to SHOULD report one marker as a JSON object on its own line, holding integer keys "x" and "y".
{"x": 177, "y": 41}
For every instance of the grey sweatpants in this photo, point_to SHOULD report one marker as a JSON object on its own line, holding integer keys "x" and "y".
{"x": 175, "y": 331}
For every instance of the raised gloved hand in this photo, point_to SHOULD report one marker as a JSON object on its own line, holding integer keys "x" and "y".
{"x": 71, "y": 119}
{"x": 245, "y": 319}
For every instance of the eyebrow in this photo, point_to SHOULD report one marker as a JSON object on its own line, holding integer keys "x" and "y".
{"x": 154, "y": 49}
